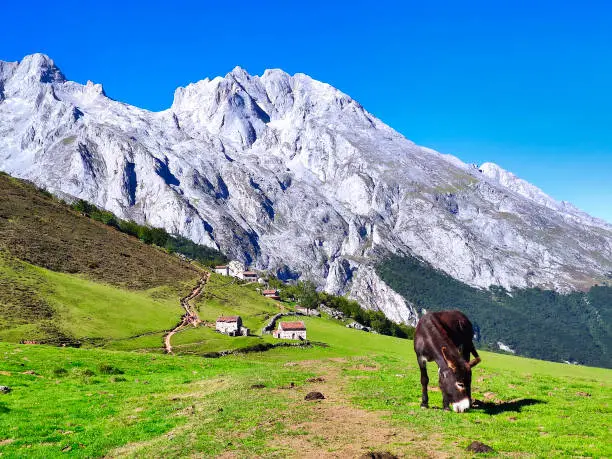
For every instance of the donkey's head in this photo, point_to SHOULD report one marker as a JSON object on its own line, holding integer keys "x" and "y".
{"x": 456, "y": 380}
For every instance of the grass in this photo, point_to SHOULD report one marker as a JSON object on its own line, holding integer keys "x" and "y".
{"x": 39, "y": 304}
{"x": 186, "y": 405}
{"x": 37, "y": 228}
{"x": 48, "y": 412}
{"x": 540, "y": 410}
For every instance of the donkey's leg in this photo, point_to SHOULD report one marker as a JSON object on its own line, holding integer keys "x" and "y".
{"x": 424, "y": 381}
{"x": 476, "y": 360}
{"x": 445, "y": 402}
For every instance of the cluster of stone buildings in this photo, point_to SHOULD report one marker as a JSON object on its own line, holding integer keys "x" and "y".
{"x": 238, "y": 270}
{"x": 232, "y": 326}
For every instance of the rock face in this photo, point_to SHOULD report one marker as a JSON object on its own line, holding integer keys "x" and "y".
{"x": 289, "y": 174}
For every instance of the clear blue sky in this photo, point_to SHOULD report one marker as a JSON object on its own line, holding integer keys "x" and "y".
{"x": 525, "y": 84}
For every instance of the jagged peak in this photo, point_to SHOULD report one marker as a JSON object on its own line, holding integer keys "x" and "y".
{"x": 95, "y": 88}
{"x": 41, "y": 67}
{"x": 239, "y": 72}
{"x": 275, "y": 74}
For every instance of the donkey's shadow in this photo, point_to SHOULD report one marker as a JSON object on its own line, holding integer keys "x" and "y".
{"x": 516, "y": 406}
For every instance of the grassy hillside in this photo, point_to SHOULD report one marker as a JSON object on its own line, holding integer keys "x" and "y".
{"x": 43, "y": 231}
{"x": 59, "y": 308}
{"x": 153, "y": 236}
{"x": 543, "y": 324}
{"x": 95, "y": 402}
{"x": 66, "y": 279}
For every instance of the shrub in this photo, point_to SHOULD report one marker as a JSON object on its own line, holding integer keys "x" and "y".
{"x": 59, "y": 372}
{"x": 106, "y": 369}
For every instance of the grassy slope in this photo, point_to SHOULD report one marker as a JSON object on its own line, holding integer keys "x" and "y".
{"x": 36, "y": 228}
{"x": 187, "y": 405}
{"x": 65, "y": 278}
{"x": 80, "y": 308}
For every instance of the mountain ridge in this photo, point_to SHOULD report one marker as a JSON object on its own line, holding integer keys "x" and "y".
{"x": 289, "y": 174}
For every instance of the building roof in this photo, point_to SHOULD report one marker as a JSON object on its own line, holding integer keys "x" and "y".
{"x": 228, "y": 319}
{"x": 292, "y": 326}
{"x": 221, "y": 267}
{"x": 270, "y": 292}
{"x": 249, "y": 273}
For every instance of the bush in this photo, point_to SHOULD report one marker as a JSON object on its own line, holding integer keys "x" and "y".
{"x": 110, "y": 370}
{"x": 59, "y": 372}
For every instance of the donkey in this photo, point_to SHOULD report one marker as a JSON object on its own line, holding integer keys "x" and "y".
{"x": 446, "y": 338}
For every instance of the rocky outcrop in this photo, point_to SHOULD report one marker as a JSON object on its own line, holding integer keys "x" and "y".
{"x": 288, "y": 174}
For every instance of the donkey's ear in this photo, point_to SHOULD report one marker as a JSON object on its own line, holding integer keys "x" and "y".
{"x": 449, "y": 362}
{"x": 474, "y": 362}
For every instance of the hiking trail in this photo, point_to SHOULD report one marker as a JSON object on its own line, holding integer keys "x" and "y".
{"x": 191, "y": 316}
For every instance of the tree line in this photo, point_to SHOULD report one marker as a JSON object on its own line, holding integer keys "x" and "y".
{"x": 537, "y": 323}
{"x": 173, "y": 243}
{"x": 307, "y": 296}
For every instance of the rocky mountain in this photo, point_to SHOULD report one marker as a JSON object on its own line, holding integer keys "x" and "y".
{"x": 289, "y": 174}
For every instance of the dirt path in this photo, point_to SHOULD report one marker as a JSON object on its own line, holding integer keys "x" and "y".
{"x": 191, "y": 316}
{"x": 336, "y": 428}
{"x": 331, "y": 428}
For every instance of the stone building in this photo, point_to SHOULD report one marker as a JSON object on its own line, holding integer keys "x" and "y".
{"x": 231, "y": 325}
{"x": 290, "y": 330}
{"x": 249, "y": 276}
{"x": 223, "y": 270}
{"x": 271, "y": 293}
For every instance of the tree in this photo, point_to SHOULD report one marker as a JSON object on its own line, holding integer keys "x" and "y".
{"x": 307, "y": 295}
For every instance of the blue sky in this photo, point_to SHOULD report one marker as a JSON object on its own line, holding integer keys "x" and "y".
{"x": 526, "y": 86}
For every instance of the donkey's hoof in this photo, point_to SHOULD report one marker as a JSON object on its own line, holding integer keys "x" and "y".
{"x": 424, "y": 406}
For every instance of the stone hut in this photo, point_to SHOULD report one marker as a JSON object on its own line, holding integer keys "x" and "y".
{"x": 231, "y": 326}
{"x": 290, "y": 330}
{"x": 249, "y": 276}
{"x": 271, "y": 293}
{"x": 223, "y": 270}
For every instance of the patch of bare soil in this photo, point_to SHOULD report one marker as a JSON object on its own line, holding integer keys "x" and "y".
{"x": 478, "y": 447}
{"x": 378, "y": 455}
{"x": 367, "y": 367}
{"x": 333, "y": 427}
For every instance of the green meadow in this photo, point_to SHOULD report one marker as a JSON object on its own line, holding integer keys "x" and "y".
{"x": 94, "y": 402}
